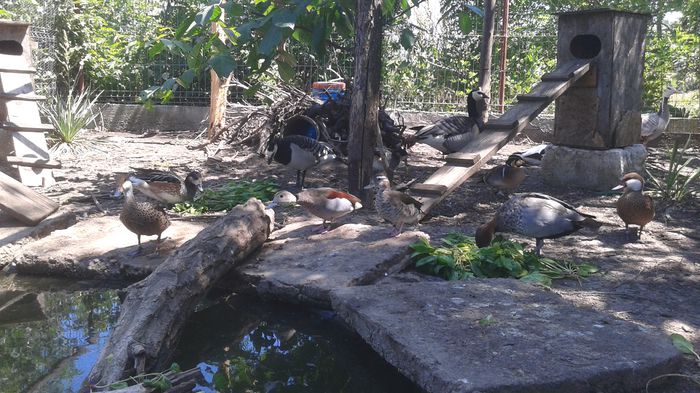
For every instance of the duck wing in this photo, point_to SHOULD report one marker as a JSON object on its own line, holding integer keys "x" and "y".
{"x": 548, "y": 200}
{"x": 650, "y": 123}
{"x": 154, "y": 175}
{"x": 447, "y": 127}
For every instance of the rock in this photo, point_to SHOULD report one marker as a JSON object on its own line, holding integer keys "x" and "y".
{"x": 98, "y": 248}
{"x": 502, "y": 335}
{"x": 302, "y": 267}
{"x": 592, "y": 169}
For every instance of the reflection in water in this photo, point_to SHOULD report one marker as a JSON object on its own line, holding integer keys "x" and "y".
{"x": 271, "y": 348}
{"x": 55, "y": 354}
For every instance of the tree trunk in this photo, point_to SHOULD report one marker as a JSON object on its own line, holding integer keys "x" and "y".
{"x": 365, "y": 96}
{"x": 156, "y": 308}
{"x": 486, "y": 51}
{"x": 219, "y": 90}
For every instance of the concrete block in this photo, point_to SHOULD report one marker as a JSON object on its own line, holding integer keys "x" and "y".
{"x": 592, "y": 169}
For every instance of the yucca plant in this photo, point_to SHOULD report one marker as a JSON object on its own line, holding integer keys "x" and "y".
{"x": 678, "y": 180}
{"x": 69, "y": 116}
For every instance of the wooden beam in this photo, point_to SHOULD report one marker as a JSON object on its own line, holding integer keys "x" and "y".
{"x": 430, "y": 189}
{"x": 22, "y": 203}
{"x": 21, "y": 97}
{"x": 18, "y": 70}
{"x": 32, "y": 162}
{"x": 12, "y": 127}
{"x": 462, "y": 159}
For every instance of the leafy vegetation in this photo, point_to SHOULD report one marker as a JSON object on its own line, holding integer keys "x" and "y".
{"x": 678, "y": 181}
{"x": 71, "y": 115}
{"x": 459, "y": 258}
{"x": 158, "y": 381}
{"x": 228, "y": 196}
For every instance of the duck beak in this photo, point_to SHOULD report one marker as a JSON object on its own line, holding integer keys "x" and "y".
{"x": 271, "y": 205}
{"x": 117, "y": 194}
{"x": 369, "y": 186}
{"x": 618, "y": 187}
{"x": 200, "y": 188}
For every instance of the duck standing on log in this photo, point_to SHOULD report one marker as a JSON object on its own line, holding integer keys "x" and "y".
{"x": 452, "y": 133}
{"x": 326, "y": 203}
{"x": 395, "y": 206}
{"x": 299, "y": 153}
{"x": 167, "y": 187}
{"x": 633, "y": 206}
{"x": 142, "y": 218}
{"x": 654, "y": 124}
{"x": 535, "y": 215}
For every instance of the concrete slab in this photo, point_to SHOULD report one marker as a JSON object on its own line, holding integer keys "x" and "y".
{"x": 504, "y": 336}
{"x": 98, "y": 247}
{"x": 302, "y": 266}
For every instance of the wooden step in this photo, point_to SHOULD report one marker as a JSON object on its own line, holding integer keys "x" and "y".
{"x": 12, "y": 127}
{"x": 569, "y": 70}
{"x": 533, "y": 97}
{"x": 497, "y": 124}
{"x": 33, "y": 162}
{"x": 22, "y": 202}
{"x": 21, "y": 97}
{"x": 430, "y": 189}
{"x": 26, "y": 70}
{"x": 462, "y": 159}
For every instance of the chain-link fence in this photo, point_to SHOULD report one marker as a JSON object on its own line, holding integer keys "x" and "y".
{"x": 434, "y": 75}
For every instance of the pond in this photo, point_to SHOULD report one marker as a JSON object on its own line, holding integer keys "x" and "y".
{"x": 240, "y": 344}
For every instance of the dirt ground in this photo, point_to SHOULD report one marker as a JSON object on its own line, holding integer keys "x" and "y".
{"x": 654, "y": 282}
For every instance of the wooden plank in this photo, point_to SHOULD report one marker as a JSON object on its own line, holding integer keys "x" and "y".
{"x": 21, "y": 97}
{"x": 429, "y": 189}
{"x": 573, "y": 69}
{"x": 12, "y": 127}
{"x": 532, "y": 97}
{"x": 462, "y": 159}
{"x": 18, "y": 70}
{"x": 23, "y": 203}
{"x": 33, "y": 162}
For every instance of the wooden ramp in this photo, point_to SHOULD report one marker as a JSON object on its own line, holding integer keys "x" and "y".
{"x": 22, "y": 203}
{"x": 462, "y": 165}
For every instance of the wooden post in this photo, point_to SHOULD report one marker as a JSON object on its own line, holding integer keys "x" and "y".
{"x": 219, "y": 88}
{"x": 365, "y": 96}
{"x": 486, "y": 51}
{"x": 504, "y": 58}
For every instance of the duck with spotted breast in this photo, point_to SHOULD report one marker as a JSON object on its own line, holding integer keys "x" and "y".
{"x": 395, "y": 206}
{"x": 299, "y": 153}
{"x": 633, "y": 207}
{"x": 326, "y": 203}
{"x": 167, "y": 187}
{"x": 142, "y": 218}
{"x": 507, "y": 177}
{"x": 535, "y": 215}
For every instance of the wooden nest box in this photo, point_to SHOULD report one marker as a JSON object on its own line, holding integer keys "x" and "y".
{"x": 602, "y": 110}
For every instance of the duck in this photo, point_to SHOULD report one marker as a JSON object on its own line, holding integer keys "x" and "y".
{"x": 633, "y": 207}
{"x": 532, "y": 156}
{"x": 324, "y": 202}
{"x": 299, "y": 153}
{"x": 167, "y": 187}
{"x": 535, "y": 215}
{"x": 451, "y": 134}
{"x": 654, "y": 124}
{"x": 507, "y": 177}
{"x": 395, "y": 206}
{"x": 142, "y": 218}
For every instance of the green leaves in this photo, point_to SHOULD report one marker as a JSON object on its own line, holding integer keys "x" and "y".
{"x": 407, "y": 38}
{"x": 459, "y": 258}
{"x": 678, "y": 180}
{"x": 228, "y": 196}
{"x": 222, "y": 64}
{"x": 683, "y": 345}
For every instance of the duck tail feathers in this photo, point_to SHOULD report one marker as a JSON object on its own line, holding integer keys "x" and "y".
{"x": 590, "y": 222}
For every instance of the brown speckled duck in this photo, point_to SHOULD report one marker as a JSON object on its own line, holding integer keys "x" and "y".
{"x": 326, "y": 203}
{"x": 167, "y": 187}
{"x": 142, "y": 218}
{"x": 507, "y": 177}
{"x": 634, "y": 207}
{"x": 535, "y": 215}
{"x": 395, "y": 206}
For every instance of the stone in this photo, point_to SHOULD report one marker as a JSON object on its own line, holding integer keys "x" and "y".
{"x": 98, "y": 247}
{"x": 502, "y": 335}
{"x": 598, "y": 170}
{"x": 300, "y": 266}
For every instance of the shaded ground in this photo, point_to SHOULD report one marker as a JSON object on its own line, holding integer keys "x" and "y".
{"x": 653, "y": 282}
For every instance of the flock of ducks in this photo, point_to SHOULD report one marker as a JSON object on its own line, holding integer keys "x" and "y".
{"x": 533, "y": 215}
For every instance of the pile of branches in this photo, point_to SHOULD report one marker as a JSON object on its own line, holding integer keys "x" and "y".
{"x": 256, "y": 125}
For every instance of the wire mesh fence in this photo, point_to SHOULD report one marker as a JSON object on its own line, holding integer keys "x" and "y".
{"x": 436, "y": 74}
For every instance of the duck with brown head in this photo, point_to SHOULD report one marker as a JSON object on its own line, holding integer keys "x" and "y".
{"x": 141, "y": 218}
{"x": 395, "y": 206}
{"x": 535, "y": 215}
{"x": 633, "y": 206}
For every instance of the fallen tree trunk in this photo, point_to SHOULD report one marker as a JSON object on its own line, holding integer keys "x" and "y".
{"x": 156, "y": 308}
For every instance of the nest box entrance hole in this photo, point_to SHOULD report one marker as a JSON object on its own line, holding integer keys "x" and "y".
{"x": 585, "y": 46}
{"x": 10, "y": 47}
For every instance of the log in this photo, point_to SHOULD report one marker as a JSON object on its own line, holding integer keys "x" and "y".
{"x": 156, "y": 308}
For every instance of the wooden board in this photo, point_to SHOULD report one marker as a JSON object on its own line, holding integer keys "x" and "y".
{"x": 497, "y": 133}
{"x": 23, "y": 203}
